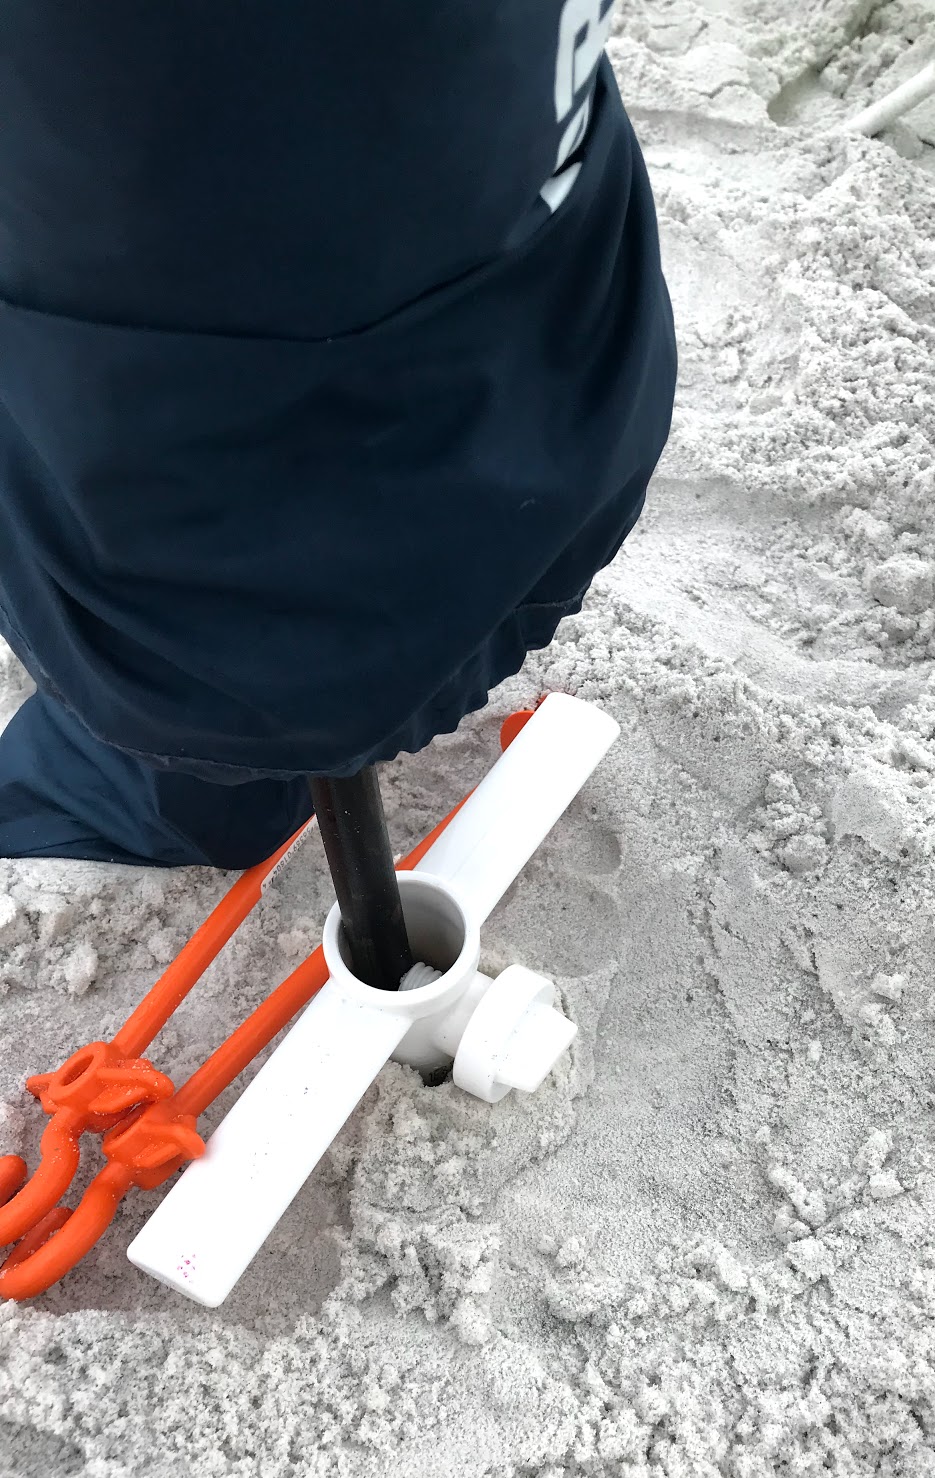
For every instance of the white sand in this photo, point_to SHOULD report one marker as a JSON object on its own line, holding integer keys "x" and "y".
{"x": 707, "y": 1246}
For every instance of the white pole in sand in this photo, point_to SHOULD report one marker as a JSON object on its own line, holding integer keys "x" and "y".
{"x": 881, "y": 114}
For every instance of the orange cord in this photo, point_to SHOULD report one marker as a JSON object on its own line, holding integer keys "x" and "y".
{"x": 149, "y": 1129}
{"x": 201, "y": 950}
{"x": 87, "y": 1086}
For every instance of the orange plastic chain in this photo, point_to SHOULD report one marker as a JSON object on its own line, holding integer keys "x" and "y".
{"x": 149, "y": 1127}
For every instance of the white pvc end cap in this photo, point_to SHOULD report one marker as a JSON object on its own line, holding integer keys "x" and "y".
{"x": 514, "y": 1038}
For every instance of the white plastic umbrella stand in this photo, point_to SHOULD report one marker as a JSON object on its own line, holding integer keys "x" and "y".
{"x": 497, "y": 1035}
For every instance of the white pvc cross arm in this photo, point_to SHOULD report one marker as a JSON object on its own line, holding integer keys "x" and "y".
{"x": 216, "y": 1217}
{"x": 514, "y": 808}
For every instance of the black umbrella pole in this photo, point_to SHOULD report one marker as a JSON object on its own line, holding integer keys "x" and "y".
{"x": 353, "y": 828}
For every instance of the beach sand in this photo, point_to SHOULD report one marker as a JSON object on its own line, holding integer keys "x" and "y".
{"x": 707, "y": 1245}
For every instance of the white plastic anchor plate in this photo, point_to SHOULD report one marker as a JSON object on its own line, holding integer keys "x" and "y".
{"x": 218, "y": 1214}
